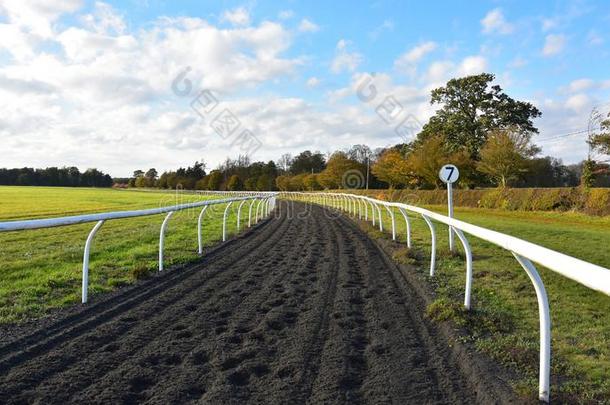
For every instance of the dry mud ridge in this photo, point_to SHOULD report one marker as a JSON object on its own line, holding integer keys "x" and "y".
{"x": 303, "y": 309}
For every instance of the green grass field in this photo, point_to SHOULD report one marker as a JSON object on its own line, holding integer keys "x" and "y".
{"x": 41, "y": 269}
{"x": 504, "y": 320}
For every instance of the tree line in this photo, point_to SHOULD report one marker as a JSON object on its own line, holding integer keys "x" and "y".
{"x": 477, "y": 127}
{"x": 55, "y": 176}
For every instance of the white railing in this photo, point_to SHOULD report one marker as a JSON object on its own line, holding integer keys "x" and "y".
{"x": 587, "y": 274}
{"x": 265, "y": 203}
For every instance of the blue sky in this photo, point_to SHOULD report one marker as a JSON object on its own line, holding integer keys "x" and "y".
{"x": 87, "y": 83}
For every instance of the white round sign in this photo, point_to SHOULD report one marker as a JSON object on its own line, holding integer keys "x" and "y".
{"x": 449, "y": 174}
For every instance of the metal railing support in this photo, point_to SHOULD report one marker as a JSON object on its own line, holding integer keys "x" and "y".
{"x": 224, "y": 222}
{"x": 250, "y": 213}
{"x": 162, "y": 238}
{"x": 85, "y": 281}
{"x": 433, "y": 244}
{"x": 468, "y": 253}
{"x": 379, "y": 216}
{"x": 199, "y": 230}
{"x": 239, "y": 212}
{"x": 391, "y": 212}
{"x": 408, "y": 224}
{"x": 544, "y": 377}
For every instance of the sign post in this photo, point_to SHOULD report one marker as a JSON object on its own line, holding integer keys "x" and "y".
{"x": 449, "y": 174}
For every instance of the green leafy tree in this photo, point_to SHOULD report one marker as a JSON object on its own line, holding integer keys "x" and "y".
{"x": 250, "y": 184}
{"x": 587, "y": 179}
{"x": 215, "y": 180}
{"x": 264, "y": 183}
{"x": 234, "y": 183}
{"x": 472, "y": 108}
{"x": 307, "y": 162}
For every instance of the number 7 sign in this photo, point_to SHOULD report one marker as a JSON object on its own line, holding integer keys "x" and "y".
{"x": 449, "y": 174}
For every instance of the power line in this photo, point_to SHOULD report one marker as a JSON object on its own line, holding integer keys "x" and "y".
{"x": 582, "y": 131}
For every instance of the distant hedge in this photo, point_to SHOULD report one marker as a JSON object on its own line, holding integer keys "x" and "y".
{"x": 594, "y": 201}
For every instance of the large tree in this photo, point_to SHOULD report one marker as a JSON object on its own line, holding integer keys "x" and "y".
{"x": 342, "y": 172}
{"x": 505, "y": 154}
{"x": 307, "y": 162}
{"x": 471, "y": 108}
{"x": 426, "y": 159}
{"x": 392, "y": 168}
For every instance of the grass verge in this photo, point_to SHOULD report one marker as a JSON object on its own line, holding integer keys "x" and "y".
{"x": 503, "y": 321}
{"x": 41, "y": 269}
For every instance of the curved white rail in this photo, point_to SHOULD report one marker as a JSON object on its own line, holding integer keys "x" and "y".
{"x": 585, "y": 273}
{"x": 266, "y": 197}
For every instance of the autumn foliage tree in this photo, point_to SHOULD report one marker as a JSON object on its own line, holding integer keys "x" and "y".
{"x": 392, "y": 168}
{"x": 426, "y": 159}
{"x": 234, "y": 183}
{"x": 505, "y": 154}
{"x": 339, "y": 164}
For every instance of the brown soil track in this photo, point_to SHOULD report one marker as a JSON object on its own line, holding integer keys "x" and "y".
{"x": 303, "y": 309}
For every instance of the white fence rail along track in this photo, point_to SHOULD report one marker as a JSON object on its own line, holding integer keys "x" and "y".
{"x": 263, "y": 203}
{"x": 526, "y": 253}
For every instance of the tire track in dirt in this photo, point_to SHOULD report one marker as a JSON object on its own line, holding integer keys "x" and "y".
{"x": 304, "y": 309}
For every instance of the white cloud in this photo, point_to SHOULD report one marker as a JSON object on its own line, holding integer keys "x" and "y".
{"x": 285, "y": 14}
{"x": 578, "y": 102}
{"x": 308, "y": 26}
{"x": 438, "y": 72}
{"x": 37, "y": 15}
{"x": 518, "y": 62}
{"x": 579, "y": 85}
{"x": 105, "y": 20}
{"x": 112, "y": 90}
{"x": 472, "y": 65}
{"x": 386, "y": 25}
{"x": 344, "y": 59}
{"x": 313, "y": 82}
{"x": 494, "y": 22}
{"x": 416, "y": 53}
{"x": 553, "y": 44}
{"x": 407, "y": 62}
{"x": 238, "y": 16}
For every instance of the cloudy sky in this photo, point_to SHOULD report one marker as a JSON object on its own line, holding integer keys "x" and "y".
{"x": 133, "y": 84}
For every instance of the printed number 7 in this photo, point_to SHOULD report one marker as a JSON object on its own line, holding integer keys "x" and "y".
{"x": 451, "y": 169}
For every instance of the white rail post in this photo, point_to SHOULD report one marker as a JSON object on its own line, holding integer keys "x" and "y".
{"x": 85, "y": 281}
{"x": 450, "y": 213}
{"x": 391, "y": 212}
{"x": 380, "y": 217}
{"x": 250, "y": 212}
{"x": 257, "y": 209}
{"x": 408, "y": 224}
{"x": 199, "y": 231}
{"x": 239, "y": 212}
{"x": 545, "y": 328}
{"x": 224, "y": 222}
{"x": 162, "y": 238}
{"x": 433, "y": 247}
{"x": 468, "y": 253}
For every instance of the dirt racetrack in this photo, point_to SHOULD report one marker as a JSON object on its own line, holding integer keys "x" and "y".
{"x": 300, "y": 310}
